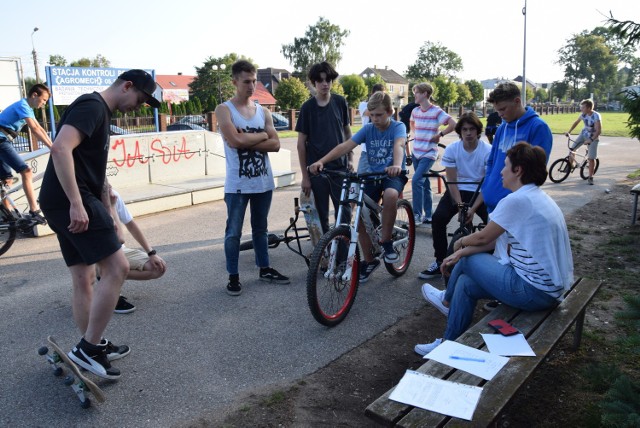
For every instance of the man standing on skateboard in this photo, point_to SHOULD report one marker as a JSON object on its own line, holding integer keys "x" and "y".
{"x": 75, "y": 200}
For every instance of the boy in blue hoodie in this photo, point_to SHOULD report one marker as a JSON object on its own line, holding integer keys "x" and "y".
{"x": 519, "y": 124}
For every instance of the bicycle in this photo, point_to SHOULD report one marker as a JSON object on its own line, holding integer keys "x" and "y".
{"x": 333, "y": 277}
{"x": 464, "y": 228}
{"x": 561, "y": 168}
{"x": 12, "y": 220}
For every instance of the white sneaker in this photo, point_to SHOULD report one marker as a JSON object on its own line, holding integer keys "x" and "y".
{"x": 425, "y": 348}
{"x": 435, "y": 297}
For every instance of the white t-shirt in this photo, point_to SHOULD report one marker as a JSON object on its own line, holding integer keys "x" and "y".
{"x": 470, "y": 166}
{"x": 540, "y": 251}
{"x": 121, "y": 209}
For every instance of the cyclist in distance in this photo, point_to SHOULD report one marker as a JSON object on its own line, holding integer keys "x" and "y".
{"x": 385, "y": 140}
{"x": 590, "y": 134}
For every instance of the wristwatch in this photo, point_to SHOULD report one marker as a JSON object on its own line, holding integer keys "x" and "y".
{"x": 441, "y": 134}
{"x": 152, "y": 253}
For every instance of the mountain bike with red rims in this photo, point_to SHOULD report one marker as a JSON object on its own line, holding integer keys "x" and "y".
{"x": 561, "y": 168}
{"x": 333, "y": 276}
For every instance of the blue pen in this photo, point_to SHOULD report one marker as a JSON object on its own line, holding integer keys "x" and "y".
{"x": 478, "y": 360}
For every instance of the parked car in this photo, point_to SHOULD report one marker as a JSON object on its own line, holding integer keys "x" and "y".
{"x": 185, "y": 127}
{"x": 280, "y": 122}
{"x": 194, "y": 119}
{"x": 116, "y": 130}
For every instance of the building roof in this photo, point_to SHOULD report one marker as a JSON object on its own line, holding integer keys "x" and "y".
{"x": 389, "y": 76}
{"x": 262, "y": 96}
{"x": 175, "y": 81}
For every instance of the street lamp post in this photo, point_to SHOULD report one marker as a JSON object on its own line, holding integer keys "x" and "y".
{"x": 524, "y": 57}
{"x": 218, "y": 68}
{"x": 35, "y": 64}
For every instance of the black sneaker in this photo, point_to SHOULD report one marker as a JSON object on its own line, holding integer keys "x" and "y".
{"x": 115, "y": 352}
{"x": 272, "y": 275}
{"x": 367, "y": 269}
{"x": 234, "y": 288}
{"x": 124, "y": 307}
{"x": 390, "y": 253}
{"x": 37, "y": 217}
{"x": 433, "y": 271}
{"x": 94, "y": 359}
{"x": 489, "y": 306}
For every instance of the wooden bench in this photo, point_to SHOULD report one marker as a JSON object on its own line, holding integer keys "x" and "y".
{"x": 543, "y": 331}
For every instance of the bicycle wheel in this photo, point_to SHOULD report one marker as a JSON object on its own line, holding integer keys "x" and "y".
{"x": 330, "y": 297}
{"x": 584, "y": 169}
{"x": 404, "y": 238}
{"x": 7, "y": 230}
{"x": 559, "y": 170}
{"x": 460, "y": 233}
{"x": 437, "y": 166}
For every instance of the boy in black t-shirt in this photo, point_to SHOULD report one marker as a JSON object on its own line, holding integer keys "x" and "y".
{"x": 75, "y": 200}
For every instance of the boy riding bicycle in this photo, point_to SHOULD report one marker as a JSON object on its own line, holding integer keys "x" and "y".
{"x": 589, "y": 135}
{"x": 384, "y": 138}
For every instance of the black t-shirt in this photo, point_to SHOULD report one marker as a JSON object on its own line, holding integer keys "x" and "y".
{"x": 90, "y": 115}
{"x": 324, "y": 128}
{"x": 405, "y": 115}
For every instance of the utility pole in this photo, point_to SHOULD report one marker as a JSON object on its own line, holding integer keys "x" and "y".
{"x": 35, "y": 64}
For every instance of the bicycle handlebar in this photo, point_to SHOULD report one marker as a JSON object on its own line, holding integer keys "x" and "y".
{"x": 365, "y": 176}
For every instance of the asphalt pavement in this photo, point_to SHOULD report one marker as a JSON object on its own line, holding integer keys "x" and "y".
{"x": 194, "y": 348}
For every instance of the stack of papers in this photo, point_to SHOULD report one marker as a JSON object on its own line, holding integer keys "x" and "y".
{"x": 462, "y": 357}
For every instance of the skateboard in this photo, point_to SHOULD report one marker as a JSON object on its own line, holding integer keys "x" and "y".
{"x": 80, "y": 384}
{"x": 308, "y": 207}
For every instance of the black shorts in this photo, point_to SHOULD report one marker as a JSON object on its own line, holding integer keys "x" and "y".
{"x": 98, "y": 242}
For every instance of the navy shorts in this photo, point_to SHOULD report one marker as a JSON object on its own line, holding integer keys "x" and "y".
{"x": 9, "y": 158}
{"x": 98, "y": 242}
{"x": 374, "y": 189}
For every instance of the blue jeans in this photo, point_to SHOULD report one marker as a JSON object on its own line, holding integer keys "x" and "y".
{"x": 236, "y": 208}
{"x": 421, "y": 187}
{"x": 9, "y": 158}
{"x": 481, "y": 276}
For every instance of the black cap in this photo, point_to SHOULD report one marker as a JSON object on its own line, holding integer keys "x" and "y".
{"x": 144, "y": 83}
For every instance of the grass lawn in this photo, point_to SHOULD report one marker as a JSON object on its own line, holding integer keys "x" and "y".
{"x": 614, "y": 124}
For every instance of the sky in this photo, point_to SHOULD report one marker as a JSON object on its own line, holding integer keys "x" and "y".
{"x": 177, "y": 36}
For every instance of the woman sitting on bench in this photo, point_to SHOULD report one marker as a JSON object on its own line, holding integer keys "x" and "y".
{"x": 531, "y": 267}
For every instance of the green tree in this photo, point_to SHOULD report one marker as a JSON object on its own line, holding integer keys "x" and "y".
{"x": 291, "y": 93}
{"x": 354, "y": 88}
{"x": 98, "y": 62}
{"x": 57, "y": 60}
{"x": 374, "y": 80}
{"x": 434, "y": 60}
{"x": 208, "y": 79}
{"x": 630, "y": 32}
{"x": 445, "y": 92}
{"x": 322, "y": 42}
{"x": 464, "y": 95}
{"x": 541, "y": 95}
{"x": 589, "y": 63}
{"x": 477, "y": 90}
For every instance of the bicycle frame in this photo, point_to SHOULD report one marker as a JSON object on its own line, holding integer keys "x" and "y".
{"x": 366, "y": 210}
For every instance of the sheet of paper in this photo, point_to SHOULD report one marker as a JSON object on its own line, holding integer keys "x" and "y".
{"x": 437, "y": 395}
{"x": 471, "y": 360}
{"x": 508, "y": 346}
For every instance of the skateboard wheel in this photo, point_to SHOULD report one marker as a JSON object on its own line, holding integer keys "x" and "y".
{"x": 69, "y": 380}
{"x": 85, "y": 404}
{"x": 58, "y": 371}
{"x": 43, "y": 350}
